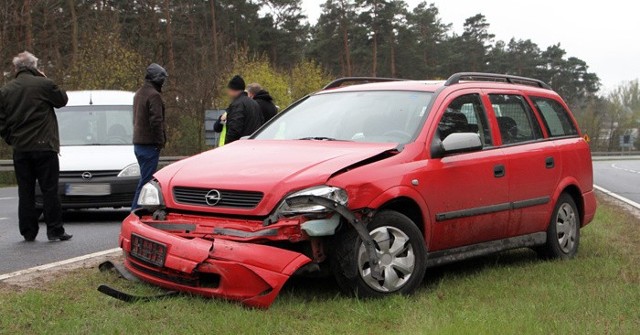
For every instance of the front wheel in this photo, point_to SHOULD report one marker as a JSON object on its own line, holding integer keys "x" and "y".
{"x": 563, "y": 233}
{"x": 401, "y": 251}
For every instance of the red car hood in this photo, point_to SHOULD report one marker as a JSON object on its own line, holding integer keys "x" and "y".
{"x": 274, "y": 168}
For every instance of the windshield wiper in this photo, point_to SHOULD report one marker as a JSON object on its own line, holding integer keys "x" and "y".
{"x": 318, "y": 138}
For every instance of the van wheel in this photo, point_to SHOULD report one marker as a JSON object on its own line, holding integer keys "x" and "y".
{"x": 402, "y": 252}
{"x": 563, "y": 233}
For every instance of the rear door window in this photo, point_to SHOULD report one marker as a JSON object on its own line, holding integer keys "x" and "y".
{"x": 515, "y": 118}
{"x": 556, "y": 117}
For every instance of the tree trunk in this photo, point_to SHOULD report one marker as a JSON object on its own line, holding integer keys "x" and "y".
{"x": 393, "y": 59}
{"x": 214, "y": 32}
{"x": 74, "y": 31}
{"x": 345, "y": 39}
{"x": 28, "y": 25}
{"x": 169, "y": 36}
{"x": 374, "y": 51}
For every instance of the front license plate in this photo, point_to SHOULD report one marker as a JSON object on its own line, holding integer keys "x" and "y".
{"x": 87, "y": 189}
{"x": 147, "y": 250}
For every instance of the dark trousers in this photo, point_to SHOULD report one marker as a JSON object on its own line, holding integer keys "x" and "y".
{"x": 43, "y": 167}
{"x": 148, "y": 157}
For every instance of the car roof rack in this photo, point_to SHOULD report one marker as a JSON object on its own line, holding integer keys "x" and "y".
{"x": 358, "y": 80}
{"x": 480, "y": 76}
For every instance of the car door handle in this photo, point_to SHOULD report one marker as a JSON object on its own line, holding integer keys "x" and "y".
{"x": 550, "y": 163}
{"x": 499, "y": 171}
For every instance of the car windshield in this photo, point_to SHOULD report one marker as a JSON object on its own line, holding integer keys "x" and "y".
{"x": 366, "y": 116}
{"x": 95, "y": 125}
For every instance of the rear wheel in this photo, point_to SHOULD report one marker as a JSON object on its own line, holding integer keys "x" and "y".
{"x": 401, "y": 251}
{"x": 563, "y": 233}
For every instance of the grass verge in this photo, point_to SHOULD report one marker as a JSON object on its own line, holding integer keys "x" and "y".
{"x": 510, "y": 293}
{"x": 7, "y": 178}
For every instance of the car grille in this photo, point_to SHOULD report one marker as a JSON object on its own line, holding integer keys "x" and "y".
{"x": 94, "y": 174}
{"x": 229, "y": 199}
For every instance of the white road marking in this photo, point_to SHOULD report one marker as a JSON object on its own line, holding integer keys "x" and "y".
{"x": 624, "y": 169}
{"x": 617, "y": 196}
{"x": 60, "y": 263}
{"x": 8, "y": 198}
{"x": 4, "y": 219}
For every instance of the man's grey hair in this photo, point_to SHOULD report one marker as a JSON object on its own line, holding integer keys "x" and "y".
{"x": 25, "y": 60}
{"x": 254, "y": 88}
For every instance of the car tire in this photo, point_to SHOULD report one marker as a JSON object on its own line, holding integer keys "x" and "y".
{"x": 563, "y": 233}
{"x": 402, "y": 251}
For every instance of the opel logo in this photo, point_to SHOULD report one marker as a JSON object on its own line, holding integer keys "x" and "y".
{"x": 87, "y": 175}
{"x": 213, "y": 197}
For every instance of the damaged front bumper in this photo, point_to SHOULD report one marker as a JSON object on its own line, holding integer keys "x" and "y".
{"x": 247, "y": 272}
{"x": 222, "y": 260}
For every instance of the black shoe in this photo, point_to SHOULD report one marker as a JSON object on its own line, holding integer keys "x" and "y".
{"x": 29, "y": 238}
{"x": 63, "y": 237}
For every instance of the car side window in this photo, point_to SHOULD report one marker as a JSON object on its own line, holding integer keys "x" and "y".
{"x": 515, "y": 118}
{"x": 556, "y": 117}
{"x": 465, "y": 114}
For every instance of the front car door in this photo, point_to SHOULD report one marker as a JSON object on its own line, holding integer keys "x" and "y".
{"x": 467, "y": 192}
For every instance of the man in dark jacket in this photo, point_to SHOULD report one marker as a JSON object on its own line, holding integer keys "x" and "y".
{"x": 264, "y": 99}
{"x": 28, "y": 123}
{"x": 243, "y": 115}
{"x": 149, "y": 135}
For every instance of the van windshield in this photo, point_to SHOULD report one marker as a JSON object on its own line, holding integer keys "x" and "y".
{"x": 366, "y": 116}
{"x": 95, "y": 125}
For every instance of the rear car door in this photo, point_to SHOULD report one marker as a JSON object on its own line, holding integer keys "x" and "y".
{"x": 467, "y": 192}
{"x": 533, "y": 161}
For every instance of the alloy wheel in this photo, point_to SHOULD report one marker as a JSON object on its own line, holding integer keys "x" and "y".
{"x": 566, "y": 227}
{"x": 396, "y": 256}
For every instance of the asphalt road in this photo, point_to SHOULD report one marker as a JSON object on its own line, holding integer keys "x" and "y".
{"x": 620, "y": 177}
{"x": 93, "y": 231}
{"x": 97, "y": 230}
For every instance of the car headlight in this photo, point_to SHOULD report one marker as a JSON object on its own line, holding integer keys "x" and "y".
{"x": 132, "y": 170}
{"x": 150, "y": 197}
{"x": 332, "y": 193}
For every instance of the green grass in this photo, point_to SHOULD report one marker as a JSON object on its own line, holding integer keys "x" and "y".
{"x": 511, "y": 293}
{"x": 7, "y": 178}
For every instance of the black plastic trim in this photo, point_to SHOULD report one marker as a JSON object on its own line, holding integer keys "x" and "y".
{"x": 492, "y": 208}
{"x": 447, "y": 256}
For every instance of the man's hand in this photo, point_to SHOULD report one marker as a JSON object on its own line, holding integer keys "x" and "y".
{"x": 223, "y": 118}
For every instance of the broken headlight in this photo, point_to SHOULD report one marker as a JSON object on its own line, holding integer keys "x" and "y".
{"x": 332, "y": 193}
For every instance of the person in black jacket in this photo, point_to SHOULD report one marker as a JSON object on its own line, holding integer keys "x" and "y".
{"x": 264, "y": 99}
{"x": 149, "y": 132}
{"x": 243, "y": 114}
{"x": 28, "y": 123}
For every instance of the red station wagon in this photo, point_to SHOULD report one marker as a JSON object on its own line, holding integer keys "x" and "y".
{"x": 376, "y": 182}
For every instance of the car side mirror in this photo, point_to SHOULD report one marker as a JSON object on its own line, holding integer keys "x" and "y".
{"x": 457, "y": 143}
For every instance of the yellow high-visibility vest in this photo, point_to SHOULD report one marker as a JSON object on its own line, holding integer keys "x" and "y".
{"x": 223, "y": 135}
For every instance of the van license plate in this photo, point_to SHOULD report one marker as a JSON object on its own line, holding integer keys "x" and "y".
{"x": 87, "y": 189}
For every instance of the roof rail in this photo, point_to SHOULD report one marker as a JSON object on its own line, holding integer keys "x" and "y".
{"x": 480, "y": 76}
{"x": 357, "y": 80}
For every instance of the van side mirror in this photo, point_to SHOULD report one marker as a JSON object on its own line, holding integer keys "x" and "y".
{"x": 457, "y": 143}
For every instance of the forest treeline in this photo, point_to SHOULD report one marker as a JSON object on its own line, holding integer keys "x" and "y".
{"x": 106, "y": 44}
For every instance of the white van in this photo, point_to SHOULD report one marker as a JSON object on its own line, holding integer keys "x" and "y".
{"x": 97, "y": 165}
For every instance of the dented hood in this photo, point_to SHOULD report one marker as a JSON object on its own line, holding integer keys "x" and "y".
{"x": 275, "y": 168}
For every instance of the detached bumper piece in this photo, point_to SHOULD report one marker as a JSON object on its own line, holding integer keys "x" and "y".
{"x": 252, "y": 274}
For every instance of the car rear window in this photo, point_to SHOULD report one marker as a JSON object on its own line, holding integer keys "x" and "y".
{"x": 556, "y": 117}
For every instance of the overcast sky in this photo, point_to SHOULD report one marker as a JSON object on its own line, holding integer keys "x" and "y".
{"x": 605, "y": 36}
